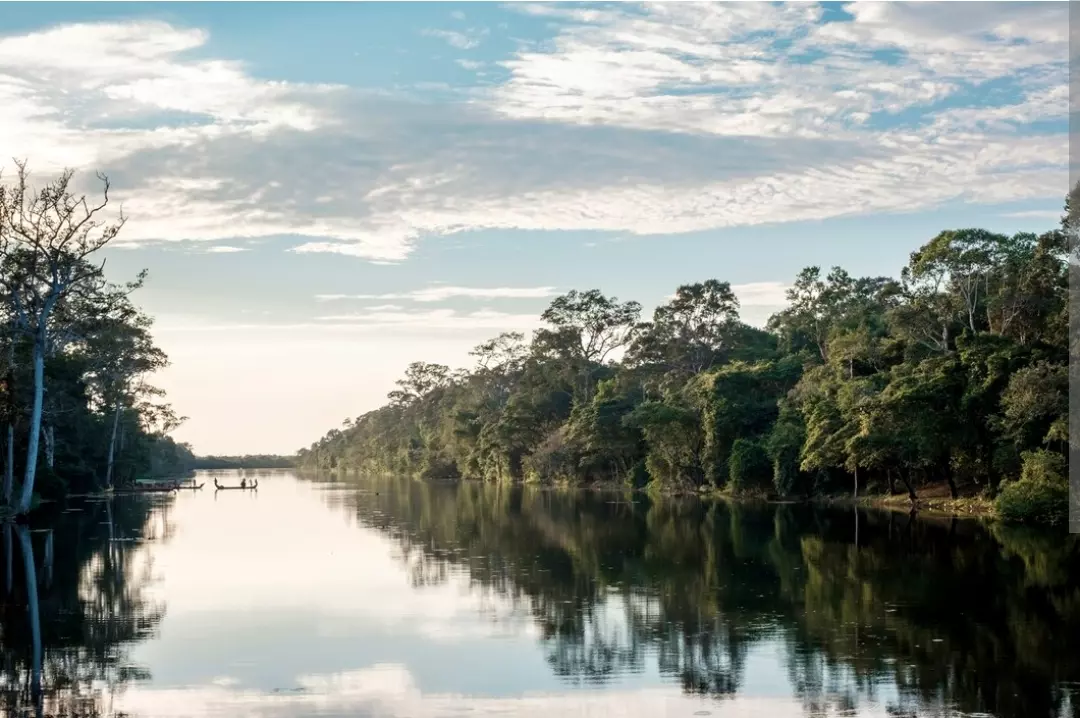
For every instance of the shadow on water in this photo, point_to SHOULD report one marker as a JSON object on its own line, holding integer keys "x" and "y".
{"x": 928, "y": 616}
{"x": 72, "y": 603}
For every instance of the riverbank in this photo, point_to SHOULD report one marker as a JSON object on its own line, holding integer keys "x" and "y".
{"x": 932, "y": 499}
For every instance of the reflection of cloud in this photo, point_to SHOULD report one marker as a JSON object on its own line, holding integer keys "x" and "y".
{"x": 389, "y": 691}
{"x": 656, "y": 120}
{"x": 440, "y": 293}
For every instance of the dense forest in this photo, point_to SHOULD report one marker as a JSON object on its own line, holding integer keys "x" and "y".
{"x": 76, "y": 411}
{"x": 954, "y": 373}
{"x": 248, "y": 461}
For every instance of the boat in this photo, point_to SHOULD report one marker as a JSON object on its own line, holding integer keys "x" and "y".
{"x": 149, "y": 489}
{"x": 218, "y": 487}
{"x": 192, "y": 487}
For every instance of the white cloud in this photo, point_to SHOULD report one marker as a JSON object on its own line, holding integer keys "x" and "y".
{"x": 440, "y": 293}
{"x": 199, "y": 149}
{"x": 461, "y": 40}
{"x": 765, "y": 294}
{"x": 1036, "y": 214}
{"x": 384, "y": 318}
{"x": 436, "y": 319}
{"x": 225, "y": 249}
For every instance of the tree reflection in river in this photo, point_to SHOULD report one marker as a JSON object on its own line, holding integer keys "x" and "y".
{"x": 928, "y": 615}
{"x": 91, "y": 610}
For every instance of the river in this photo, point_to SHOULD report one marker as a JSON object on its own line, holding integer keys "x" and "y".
{"x": 400, "y": 599}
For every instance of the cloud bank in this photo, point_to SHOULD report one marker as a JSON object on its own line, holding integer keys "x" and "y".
{"x": 643, "y": 119}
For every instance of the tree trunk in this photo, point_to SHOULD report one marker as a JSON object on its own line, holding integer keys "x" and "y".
{"x": 891, "y": 478}
{"x": 48, "y": 562}
{"x": 49, "y": 435}
{"x": 9, "y": 464}
{"x": 112, "y": 446}
{"x": 9, "y": 579}
{"x": 9, "y": 453}
{"x": 35, "y": 427}
{"x": 855, "y": 495}
{"x": 951, "y": 479}
{"x": 32, "y": 607}
{"x": 907, "y": 482}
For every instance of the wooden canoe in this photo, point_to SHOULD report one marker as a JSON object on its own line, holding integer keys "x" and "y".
{"x": 219, "y": 487}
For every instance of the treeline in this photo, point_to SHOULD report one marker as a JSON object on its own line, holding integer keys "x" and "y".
{"x": 255, "y": 461}
{"x": 76, "y": 412}
{"x": 955, "y": 372}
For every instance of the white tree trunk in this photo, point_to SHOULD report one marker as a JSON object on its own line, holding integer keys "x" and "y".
{"x": 35, "y": 426}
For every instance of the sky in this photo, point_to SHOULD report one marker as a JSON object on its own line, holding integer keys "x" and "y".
{"x": 325, "y": 192}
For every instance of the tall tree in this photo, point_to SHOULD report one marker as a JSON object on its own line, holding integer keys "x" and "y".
{"x": 47, "y": 239}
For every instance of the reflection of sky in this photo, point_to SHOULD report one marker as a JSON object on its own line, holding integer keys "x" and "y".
{"x": 389, "y": 690}
{"x": 277, "y": 605}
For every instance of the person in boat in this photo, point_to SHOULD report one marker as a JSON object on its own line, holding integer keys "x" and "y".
{"x": 216, "y": 484}
{"x": 243, "y": 483}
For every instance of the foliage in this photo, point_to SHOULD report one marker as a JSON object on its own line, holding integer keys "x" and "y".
{"x": 76, "y": 410}
{"x": 1041, "y": 495}
{"x": 249, "y": 461}
{"x": 948, "y": 373}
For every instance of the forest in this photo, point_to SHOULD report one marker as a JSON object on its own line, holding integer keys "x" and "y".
{"x": 77, "y": 413}
{"x": 247, "y": 461}
{"x": 955, "y": 373}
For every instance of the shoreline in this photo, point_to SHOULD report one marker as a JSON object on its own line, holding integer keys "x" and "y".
{"x": 935, "y": 504}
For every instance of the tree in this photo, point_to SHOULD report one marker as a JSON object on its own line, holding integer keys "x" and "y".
{"x": 47, "y": 238}
{"x": 122, "y": 351}
{"x": 599, "y": 324}
{"x": 692, "y": 332}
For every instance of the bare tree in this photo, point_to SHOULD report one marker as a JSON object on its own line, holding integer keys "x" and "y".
{"x": 47, "y": 238}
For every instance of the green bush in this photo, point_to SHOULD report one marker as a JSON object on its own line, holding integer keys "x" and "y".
{"x": 749, "y": 466}
{"x": 1043, "y": 465}
{"x": 1042, "y": 493}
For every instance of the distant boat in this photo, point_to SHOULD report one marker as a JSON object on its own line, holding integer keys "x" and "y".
{"x": 151, "y": 489}
{"x": 252, "y": 487}
{"x": 192, "y": 487}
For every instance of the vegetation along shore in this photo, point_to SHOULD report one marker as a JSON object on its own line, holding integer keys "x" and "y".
{"x": 951, "y": 378}
{"x": 76, "y": 410}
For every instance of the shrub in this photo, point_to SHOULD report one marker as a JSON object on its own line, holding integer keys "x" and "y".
{"x": 748, "y": 466}
{"x": 1042, "y": 493}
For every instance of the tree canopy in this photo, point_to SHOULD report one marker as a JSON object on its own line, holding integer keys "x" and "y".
{"x": 954, "y": 372}
{"x": 76, "y": 407}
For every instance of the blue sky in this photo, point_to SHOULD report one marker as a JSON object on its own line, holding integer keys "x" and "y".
{"x": 325, "y": 192}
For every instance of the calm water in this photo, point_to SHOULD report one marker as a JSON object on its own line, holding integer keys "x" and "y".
{"x": 408, "y": 600}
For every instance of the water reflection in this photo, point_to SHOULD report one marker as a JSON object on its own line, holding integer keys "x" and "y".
{"x": 922, "y": 616}
{"x": 73, "y": 600}
{"x": 397, "y": 598}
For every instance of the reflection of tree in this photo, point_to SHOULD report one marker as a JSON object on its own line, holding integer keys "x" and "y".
{"x": 95, "y": 606}
{"x": 924, "y": 616}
